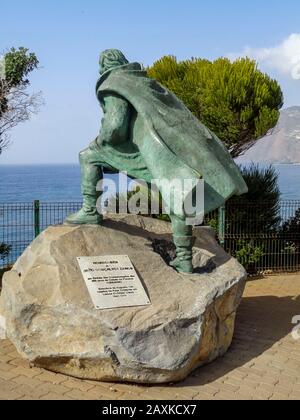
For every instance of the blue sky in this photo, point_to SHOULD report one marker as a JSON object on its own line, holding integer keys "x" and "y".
{"x": 68, "y": 36}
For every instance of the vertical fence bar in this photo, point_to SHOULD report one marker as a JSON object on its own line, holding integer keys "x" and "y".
{"x": 222, "y": 223}
{"x": 37, "y": 218}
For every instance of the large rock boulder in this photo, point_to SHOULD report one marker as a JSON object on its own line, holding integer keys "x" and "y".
{"x": 2, "y": 328}
{"x": 52, "y": 322}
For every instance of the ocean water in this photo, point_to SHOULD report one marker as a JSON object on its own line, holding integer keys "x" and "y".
{"x": 25, "y": 183}
{"x": 289, "y": 181}
{"x": 57, "y": 183}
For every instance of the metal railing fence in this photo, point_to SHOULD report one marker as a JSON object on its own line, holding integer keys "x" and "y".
{"x": 264, "y": 236}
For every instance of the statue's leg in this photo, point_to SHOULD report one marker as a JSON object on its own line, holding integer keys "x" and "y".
{"x": 91, "y": 174}
{"x": 184, "y": 241}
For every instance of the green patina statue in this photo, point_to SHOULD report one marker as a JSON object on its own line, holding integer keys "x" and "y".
{"x": 150, "y": 134}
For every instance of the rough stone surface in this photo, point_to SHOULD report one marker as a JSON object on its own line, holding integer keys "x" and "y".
{"x": 51, "y": 320}
{"x": 2, "y": 328}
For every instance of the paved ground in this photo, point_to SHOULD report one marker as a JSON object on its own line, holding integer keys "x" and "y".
{"x": 263, "y": 363}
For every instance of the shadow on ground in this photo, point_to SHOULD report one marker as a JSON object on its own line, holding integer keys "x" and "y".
{"x": 261, "y": 322}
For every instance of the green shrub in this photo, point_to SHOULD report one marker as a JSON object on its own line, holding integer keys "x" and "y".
{"x": 248, "y": 254}
{"x": 4, "y": 251}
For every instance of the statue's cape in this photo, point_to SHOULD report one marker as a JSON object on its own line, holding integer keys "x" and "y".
{"x": 172, "y": 141}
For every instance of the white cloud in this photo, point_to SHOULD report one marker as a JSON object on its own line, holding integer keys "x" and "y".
{"x": 284, "y": 58}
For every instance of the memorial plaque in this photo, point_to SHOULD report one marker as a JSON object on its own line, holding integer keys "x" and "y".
{"x": 112, "y": 282}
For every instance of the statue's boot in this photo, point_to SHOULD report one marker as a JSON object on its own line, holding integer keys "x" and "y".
{"x": 183, "y": 263}
{"x": 88, "y": 215}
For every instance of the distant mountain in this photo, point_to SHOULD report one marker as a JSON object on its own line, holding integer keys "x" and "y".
{"x": 280, "y": 145}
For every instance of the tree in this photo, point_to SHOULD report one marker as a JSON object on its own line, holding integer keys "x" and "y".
{"x": 16, "y": 103}
{"x": 252, "y": 218}
{"x": 234, "y": 99}
{"x": 258, "y": 211}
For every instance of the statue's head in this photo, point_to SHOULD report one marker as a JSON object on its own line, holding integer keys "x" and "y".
{"x": 110, "y": 59}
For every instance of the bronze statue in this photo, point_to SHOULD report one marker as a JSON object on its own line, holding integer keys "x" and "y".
{"x": 150, "y": 134}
